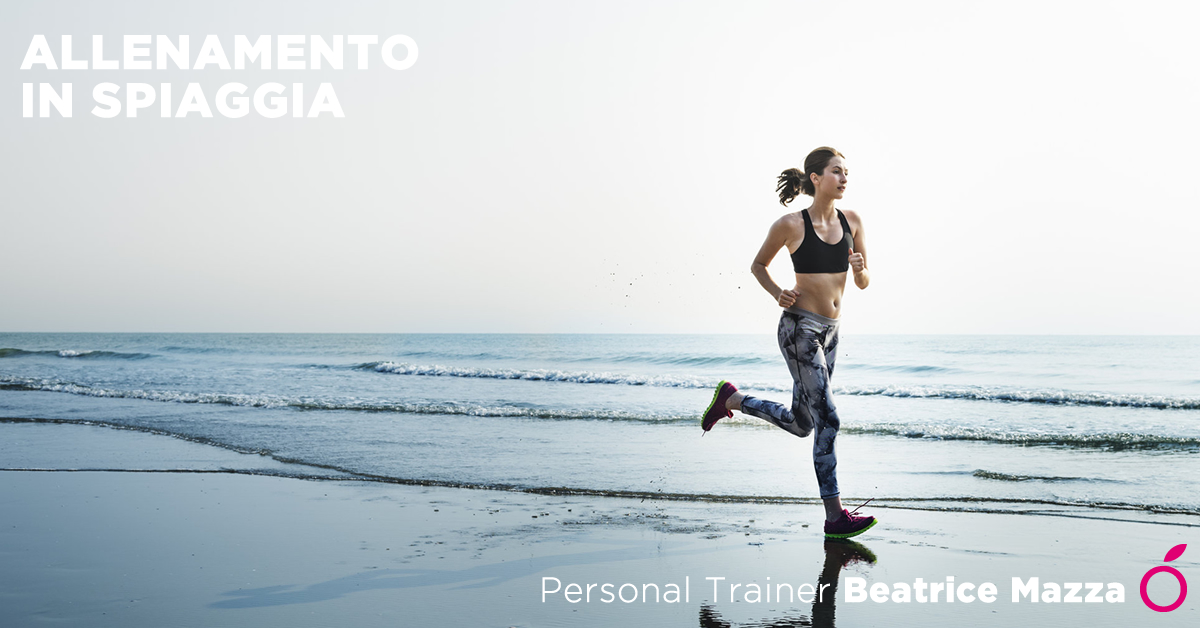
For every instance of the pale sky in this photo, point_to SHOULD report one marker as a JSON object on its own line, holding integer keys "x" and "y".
{"x": 610, "y": 167}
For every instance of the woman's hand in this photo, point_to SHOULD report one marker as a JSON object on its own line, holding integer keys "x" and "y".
{"x": 787, "y": 298}
{"x": 857, "y": 261}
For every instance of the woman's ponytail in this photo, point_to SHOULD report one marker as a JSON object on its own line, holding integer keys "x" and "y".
{"x": 791, "y": 185}
{"x": 794, "y": 182}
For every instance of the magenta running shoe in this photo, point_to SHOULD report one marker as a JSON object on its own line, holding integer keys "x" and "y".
{"x": 848, "y": 525}
{"x": 716, "y": 410}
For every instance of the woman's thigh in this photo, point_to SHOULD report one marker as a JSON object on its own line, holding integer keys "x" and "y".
{"x": 800, "y": 343}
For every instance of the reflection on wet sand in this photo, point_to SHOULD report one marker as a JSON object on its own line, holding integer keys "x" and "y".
{"x": 839, "y": 554}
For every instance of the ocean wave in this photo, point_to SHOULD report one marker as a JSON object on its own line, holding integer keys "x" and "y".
{"x": 1051, "y": 396}
{"x": 1100, "y": 440}
{"x": 74, "y": 353}
{"x": 308, "y": 403}
{"x": 642, "y": 357}
{"x": 970, "y": 393}
{"x": 902, "y": 368}
{"x": 1104, "y": 440}
{"x": 687, "y": 360}
{"x": 949, "y": 503}
{"x": 1012, "y": 477}
{"x": 549, "y": 375}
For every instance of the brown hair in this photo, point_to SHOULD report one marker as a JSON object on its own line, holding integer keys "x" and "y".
{"x": 794, "y": 182}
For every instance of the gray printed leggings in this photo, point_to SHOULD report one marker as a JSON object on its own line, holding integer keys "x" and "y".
{"x": 809, "y": 344}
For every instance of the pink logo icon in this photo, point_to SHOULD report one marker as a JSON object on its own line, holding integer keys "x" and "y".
{"x": 1175, "y": 552}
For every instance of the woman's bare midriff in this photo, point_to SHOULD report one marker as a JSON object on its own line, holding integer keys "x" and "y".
{"x": 821, "y": 293}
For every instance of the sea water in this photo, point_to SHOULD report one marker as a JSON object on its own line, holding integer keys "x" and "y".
{"x": 947, "y": 422}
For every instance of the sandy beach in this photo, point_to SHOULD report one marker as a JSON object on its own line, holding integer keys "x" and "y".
{"x": 216, "y": 544}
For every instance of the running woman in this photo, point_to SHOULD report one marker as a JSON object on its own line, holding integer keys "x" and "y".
{"x": 825, "y": 244}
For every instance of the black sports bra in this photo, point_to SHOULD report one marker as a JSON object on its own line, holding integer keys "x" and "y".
{"x": 817, "y": 256}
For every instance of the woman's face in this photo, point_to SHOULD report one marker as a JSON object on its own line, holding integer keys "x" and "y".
{"x": 832, "y": 183}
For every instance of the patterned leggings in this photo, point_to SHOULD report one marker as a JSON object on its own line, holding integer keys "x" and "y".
{"x": 809, "y": 344}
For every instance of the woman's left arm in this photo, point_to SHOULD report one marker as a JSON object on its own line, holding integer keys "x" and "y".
{"x": 858, "y": 253}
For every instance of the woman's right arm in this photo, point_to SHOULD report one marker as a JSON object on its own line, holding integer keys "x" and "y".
{"x": 776, "y": 239}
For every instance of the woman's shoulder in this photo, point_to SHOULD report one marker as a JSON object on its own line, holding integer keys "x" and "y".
{"x": 790, "y": 220}
{"x": 789, "y": 227}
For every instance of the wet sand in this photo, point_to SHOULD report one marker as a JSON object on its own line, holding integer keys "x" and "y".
{"x": 141, "y": 544}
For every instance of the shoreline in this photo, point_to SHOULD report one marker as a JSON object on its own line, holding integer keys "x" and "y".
{"x": 238, "y": 539}
{"x": 286, "y": 467}
{"x": 145, "y": 548}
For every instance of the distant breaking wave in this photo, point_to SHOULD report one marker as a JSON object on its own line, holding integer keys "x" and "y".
{"x": 912, "y": 391}
{"x": 73, "y": 353}
{"x": 686, "y": 360}
{"x": 902, "y": 368}
{"x": 1103, "y": 440}
{"x": 546, "y": 375}
{"x": 1051, "y": 397}
{"x": 1013, "y": 477}
{"x": 646, "y": 357}
{"x": 276, "y": 401}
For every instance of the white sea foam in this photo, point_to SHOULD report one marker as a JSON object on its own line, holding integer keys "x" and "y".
{"x": 1114, "y": 440}
{"x": 310, "y": 403}
{"x": 1046, "y": 396}
{"x": 974, "y": 393}
{"x": 72, "y": 353}
{"x": 548, "y": 375}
